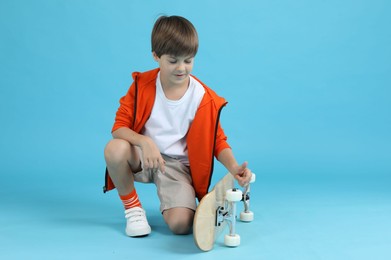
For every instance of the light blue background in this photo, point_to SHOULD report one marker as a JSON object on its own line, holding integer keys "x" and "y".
{"x": 308, "y": 85}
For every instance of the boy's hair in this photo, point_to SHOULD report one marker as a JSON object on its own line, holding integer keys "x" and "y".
{"x": 174, "y": 35}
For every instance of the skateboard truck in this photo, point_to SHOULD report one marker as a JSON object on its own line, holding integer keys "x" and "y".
{"x": 246, "y": 215}
{"x": 228, "y": 214}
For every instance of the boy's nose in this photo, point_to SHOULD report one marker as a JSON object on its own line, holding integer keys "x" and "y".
{"x": 181, "y": 66}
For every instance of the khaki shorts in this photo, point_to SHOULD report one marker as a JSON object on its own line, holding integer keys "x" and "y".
{"x": 174, "y": 187}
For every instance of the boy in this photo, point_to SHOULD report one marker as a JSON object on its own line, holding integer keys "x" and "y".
{"x": 167, "y": 131}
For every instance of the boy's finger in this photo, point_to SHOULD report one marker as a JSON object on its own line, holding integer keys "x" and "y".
{"x": 146, "y": 164}
{"x": 243, "y": 166}
{"x": 162, "y": 163}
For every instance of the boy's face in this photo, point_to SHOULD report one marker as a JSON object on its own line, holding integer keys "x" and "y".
{"x": 174, "y": 70}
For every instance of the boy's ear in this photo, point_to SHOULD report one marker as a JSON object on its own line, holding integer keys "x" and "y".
{"x": 155, "y": 57}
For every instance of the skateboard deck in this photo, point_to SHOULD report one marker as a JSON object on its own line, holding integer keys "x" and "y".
{"x": 205, "y": 230}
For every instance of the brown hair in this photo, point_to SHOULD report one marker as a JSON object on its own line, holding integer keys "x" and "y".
{"x": 174, "y": 35}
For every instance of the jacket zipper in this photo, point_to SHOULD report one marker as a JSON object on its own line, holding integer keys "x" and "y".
{"x": 134, "y": 122}
{"x": 214, "y": 144}
{"x": 135, "y": 101}
{"x": 106, "y": 177}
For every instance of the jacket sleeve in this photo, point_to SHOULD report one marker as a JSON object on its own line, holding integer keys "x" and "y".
{"x": 125, "y": 113}
{"x": 221, "y": 141}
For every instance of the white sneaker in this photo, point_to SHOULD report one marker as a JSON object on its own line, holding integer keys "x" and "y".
{"x": 136, "y": 222}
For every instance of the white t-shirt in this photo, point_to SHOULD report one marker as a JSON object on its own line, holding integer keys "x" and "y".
{"x": 170, "y": 120}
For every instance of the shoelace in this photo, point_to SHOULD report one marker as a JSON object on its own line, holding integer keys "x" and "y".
{"x": 135, "y": 215}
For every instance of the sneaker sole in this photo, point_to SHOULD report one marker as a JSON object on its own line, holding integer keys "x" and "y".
{"x": 139, "y": 233}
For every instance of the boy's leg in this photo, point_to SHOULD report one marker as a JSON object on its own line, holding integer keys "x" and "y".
{"x": 177, "y": 196}
{"x": 122, "y": 161}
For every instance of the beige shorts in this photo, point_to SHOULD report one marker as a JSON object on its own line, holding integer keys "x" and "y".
{"x": 174, "y": 187}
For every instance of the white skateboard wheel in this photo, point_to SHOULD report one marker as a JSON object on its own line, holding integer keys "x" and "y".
{"x": 232, "y": 240}
{"x": 252, "y": 178}
{"x": 233, "y": 195}
{"x": 246, "y": 216}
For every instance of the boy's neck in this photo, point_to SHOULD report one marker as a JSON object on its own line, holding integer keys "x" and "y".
{"x": 175, "y": 91}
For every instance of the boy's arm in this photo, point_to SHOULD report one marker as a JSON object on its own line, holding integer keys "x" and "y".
{"x": 241, "y": 173}
{"x": 151, "y": 153}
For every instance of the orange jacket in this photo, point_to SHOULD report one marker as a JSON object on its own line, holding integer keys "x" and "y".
{"x": 205, "y": 138}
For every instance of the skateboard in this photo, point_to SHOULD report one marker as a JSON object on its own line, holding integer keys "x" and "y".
{"x": 217, "y": 209}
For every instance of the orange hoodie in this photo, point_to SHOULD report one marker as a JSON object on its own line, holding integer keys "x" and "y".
{"x": 205, "y": 138}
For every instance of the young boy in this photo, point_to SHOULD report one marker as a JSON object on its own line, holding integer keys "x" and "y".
{"x": 167, "y": 132}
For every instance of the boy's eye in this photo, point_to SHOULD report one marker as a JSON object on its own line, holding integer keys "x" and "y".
{"x": 173, "y": 61}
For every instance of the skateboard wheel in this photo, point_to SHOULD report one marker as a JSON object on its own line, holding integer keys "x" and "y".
{"x": 233, "y": 195}
{"x": 246, "y": 216}
{"x": 252, "y": 178}
{"x": 232, "y": 240}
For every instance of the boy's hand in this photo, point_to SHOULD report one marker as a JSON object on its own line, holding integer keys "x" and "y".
{"x": 242, "y": 174}
{"x": 153, "y": 159}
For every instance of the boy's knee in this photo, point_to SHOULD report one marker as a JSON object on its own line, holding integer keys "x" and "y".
{"x": 181, "y": 226}
{"x": 116, "y": 151}
{"x": 180, "y": 221}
